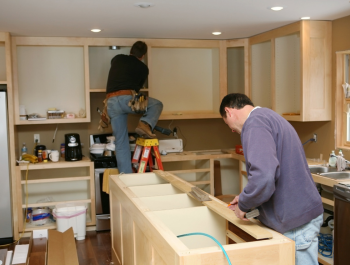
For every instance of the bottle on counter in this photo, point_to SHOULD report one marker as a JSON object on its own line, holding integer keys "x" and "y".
{"x": 340, "y": 153}
{"x": 332, "y": 160}
{"x": 24, "y": 149}
{"x": 40, "y": 155}
{"x": 63, "y": 150}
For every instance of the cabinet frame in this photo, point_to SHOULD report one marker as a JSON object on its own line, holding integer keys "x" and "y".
{"x": 315, "y": 47}
{"x": 85, "y": 163}
{"x": 53, "y": 42}
{"x": 341, "y": 103}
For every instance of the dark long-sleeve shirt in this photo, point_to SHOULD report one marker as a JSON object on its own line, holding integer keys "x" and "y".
{"x": 126, "y": 72}
{"x": 279, "y": 179}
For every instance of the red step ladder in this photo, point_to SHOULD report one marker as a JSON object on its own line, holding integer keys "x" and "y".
{"x": 145, "y": 146}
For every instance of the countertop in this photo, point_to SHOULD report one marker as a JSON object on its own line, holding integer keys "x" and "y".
{"x": 324, "y": 180}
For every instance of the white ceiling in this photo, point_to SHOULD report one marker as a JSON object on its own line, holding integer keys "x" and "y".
{"x": 186, "y": 19}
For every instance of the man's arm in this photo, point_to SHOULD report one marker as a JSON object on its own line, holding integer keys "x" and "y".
{"x": 260, "y": 152}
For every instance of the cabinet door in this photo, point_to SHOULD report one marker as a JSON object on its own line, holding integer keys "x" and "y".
{"x": 2, "y": 63}
{"x": 261, "y": 74}
{"x": 186, "y": 80}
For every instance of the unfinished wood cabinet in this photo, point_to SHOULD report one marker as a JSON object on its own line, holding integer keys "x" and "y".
{"x": 149, "y": 211}
{"x": 50, "y": 73}
{"x": 52, "y": 183}
{"x": 290, "y": 70}
{"x": 237, "y": 66}
{"x": 197, "y": 167}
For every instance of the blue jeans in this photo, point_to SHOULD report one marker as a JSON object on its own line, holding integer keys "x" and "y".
{"x": 306, "y": 241}
{"x": 118, "y": 110}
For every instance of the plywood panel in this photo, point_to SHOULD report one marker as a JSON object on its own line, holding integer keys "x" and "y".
{"x": 2, "y": 62}
{"x": 154, "y": 190}
{"x": 185, "y": 79}
{"x": 140, "y": 180}
{"x": 191, "y": 220}
{"x": 177, "y": 201}
{"x": 58, "y": 191}
{"x": 157, "y": 260}
{"x": 53, "y": 73}
{"x": 235, "y": 70}
{"x": 287, "y": 74}
{"x": 116, "y": 226}
{"x": 128, "y": 237}
{"x": 261, "y": 74}
{"x": 143, "y": 248}
{"x": 317, "y": 74}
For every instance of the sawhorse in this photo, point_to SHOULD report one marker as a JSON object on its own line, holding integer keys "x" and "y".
{"x": 145, "y": 146}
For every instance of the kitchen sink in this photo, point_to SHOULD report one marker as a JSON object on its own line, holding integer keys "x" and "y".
{"x": 321, "y": 169}
{"x": 336, "y": 175}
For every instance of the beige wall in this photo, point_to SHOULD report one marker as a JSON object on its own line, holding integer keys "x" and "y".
{"x": 325, "y": 130}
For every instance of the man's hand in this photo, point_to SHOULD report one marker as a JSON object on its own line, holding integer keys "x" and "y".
{"x": 234, "y": 207}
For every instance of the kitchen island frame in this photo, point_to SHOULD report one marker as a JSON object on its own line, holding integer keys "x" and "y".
{"x": 149, "y": 210}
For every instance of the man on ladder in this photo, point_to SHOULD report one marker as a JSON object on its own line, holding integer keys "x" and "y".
{"x": 127, "y": 76}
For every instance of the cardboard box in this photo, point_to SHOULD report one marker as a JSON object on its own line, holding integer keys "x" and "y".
{"x": 61, "y": 248}
{"x": 21, "y": 252}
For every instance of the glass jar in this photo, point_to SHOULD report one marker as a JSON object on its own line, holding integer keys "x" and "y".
{"x": 63, "y": 150}
{"x": 40, "y": 156}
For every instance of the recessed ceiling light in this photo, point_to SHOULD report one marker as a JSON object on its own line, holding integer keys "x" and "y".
{"x": 95, "y": 30}
{"x": 305, "y": 18}
{"x": 216, "y": 33}
{"x": 143, "y": 4}
{"x": 276, "y": 8}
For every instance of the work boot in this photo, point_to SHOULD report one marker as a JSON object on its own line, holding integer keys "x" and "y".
{"x": 144, "y": 130}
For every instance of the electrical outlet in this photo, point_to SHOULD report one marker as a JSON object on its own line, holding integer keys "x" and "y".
{"x": 315, "y": 137}
{"x": 36, "y": 138}
{"x": 175, "y": 132}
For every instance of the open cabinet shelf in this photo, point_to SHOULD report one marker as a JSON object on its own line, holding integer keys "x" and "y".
{"x": 45, "y": 185}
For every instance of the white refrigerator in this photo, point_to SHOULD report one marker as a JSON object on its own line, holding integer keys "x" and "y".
{"x": 6, "y": 231}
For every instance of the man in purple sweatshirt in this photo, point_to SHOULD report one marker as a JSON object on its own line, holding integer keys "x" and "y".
{"x": 279, "y": 180}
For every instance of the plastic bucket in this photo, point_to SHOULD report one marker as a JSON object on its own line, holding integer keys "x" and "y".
{"x": 71, "y": 215}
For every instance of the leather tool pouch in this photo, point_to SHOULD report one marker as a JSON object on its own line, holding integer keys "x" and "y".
{"x": 138, "y": 103}
{"x": 105, "y": 120}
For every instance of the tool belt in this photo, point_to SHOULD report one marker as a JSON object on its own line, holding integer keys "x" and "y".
{"x": 104, "y": 120}
{"x": 120, "y": 93}
{"x": 138, "y": 103}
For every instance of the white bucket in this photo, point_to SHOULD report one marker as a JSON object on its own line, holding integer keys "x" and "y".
{"x": 71, "y": 215}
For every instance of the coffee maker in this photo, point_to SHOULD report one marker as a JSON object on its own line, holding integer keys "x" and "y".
{"x": 72, "y": 147}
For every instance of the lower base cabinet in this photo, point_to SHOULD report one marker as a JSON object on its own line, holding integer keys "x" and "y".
{"x": 149, "y": 211}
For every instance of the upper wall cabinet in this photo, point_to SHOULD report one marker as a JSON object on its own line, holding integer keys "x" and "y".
{"x": 291, "y": 70}
{"x": 186, "y": 76}
{"x": 50, "y": 76}
{"x": 99, "y": 64}
{"x": 186, "y": 80}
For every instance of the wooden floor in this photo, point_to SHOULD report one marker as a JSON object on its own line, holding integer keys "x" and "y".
{"x": 94, "y": 250}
